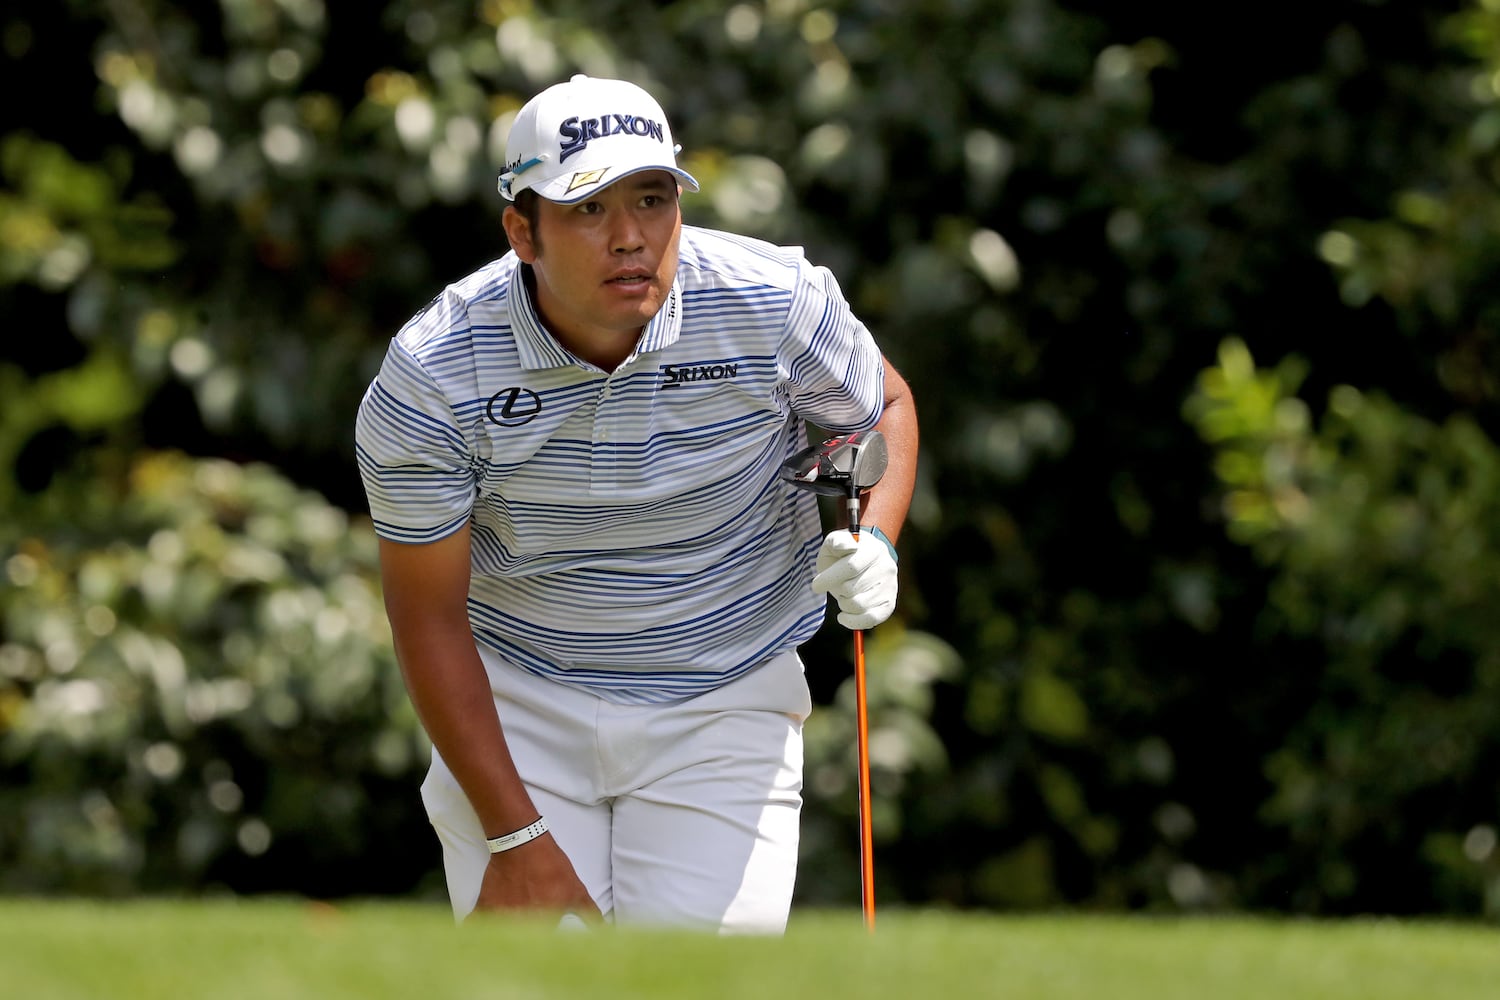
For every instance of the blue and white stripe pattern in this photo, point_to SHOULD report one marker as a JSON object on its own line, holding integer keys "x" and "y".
{"x": 630, "y": 532}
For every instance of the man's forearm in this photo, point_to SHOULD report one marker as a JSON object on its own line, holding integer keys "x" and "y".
{"x": 888, "y": 501}
{"x": 450, "y": 690}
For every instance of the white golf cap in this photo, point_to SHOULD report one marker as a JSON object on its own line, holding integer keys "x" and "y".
{"x": 575, "y": 138}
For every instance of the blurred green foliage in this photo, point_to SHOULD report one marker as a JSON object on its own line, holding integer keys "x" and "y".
{"x": 1381, "y": 527}
{"x": 1179, "y": 630}
{"x": 196, "y": 671}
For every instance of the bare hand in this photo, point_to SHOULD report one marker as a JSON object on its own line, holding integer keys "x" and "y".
{"x": 535, "y": 876}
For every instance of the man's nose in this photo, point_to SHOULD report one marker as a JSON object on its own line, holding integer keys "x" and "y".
{"x": 627, "y": 236}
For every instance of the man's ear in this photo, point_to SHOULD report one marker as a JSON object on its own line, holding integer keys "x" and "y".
{"x": 518, "y": 232}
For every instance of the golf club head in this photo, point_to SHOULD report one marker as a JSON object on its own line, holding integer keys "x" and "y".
{"x": 839, "y": 466}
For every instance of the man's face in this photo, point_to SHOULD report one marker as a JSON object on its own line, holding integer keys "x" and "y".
{"x": 603, "y": 266}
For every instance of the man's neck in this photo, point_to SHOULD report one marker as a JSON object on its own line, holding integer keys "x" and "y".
{"x": 606, "y": 356}
{"x": 607, "y": 352}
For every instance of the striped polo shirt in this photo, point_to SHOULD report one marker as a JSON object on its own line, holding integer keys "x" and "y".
{"x": 630, "y": 531}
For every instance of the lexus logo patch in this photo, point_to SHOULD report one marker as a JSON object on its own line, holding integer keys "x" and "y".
{"x": 513, "y": 406}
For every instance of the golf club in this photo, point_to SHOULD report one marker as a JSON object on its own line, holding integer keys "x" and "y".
{"x": 847, "y": 465}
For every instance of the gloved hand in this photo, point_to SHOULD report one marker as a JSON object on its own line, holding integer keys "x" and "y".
{"x": 861, "y": 576}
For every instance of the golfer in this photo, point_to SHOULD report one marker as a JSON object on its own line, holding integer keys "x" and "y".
{"x": 596, "y": 581}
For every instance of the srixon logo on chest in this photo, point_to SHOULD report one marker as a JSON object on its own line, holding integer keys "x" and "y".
{"x": 676, "y": 376}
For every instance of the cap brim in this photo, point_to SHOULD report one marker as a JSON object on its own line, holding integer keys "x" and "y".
{"x": 572, "y": 188}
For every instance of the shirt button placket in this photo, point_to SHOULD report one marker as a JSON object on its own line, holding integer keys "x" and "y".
{"x": 602, "y": 466}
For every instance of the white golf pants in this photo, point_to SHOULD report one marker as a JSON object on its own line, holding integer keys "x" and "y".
{"x": 684, "y": 814}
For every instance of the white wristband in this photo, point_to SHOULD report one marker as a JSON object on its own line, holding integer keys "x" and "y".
{"x": 521, "y": 836}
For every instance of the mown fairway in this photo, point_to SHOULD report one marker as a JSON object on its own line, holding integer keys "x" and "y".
{"x": 288, "y": 949}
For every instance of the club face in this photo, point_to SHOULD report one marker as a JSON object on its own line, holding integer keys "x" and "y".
{"x": 870, "y": 460}
{"x": 839, "y": 466}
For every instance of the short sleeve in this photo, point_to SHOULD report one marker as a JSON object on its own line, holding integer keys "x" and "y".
{"x": 833, "y": 370}
{"x": 412, "y": 455}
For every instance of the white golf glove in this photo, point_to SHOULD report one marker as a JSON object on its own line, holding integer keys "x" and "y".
{"x": 861, "y": 576}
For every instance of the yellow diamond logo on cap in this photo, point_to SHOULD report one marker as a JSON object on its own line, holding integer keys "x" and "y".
{"x": 586, "y": 177}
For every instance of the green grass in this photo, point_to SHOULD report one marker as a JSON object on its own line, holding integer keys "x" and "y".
{"x": 288, "y": 949}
